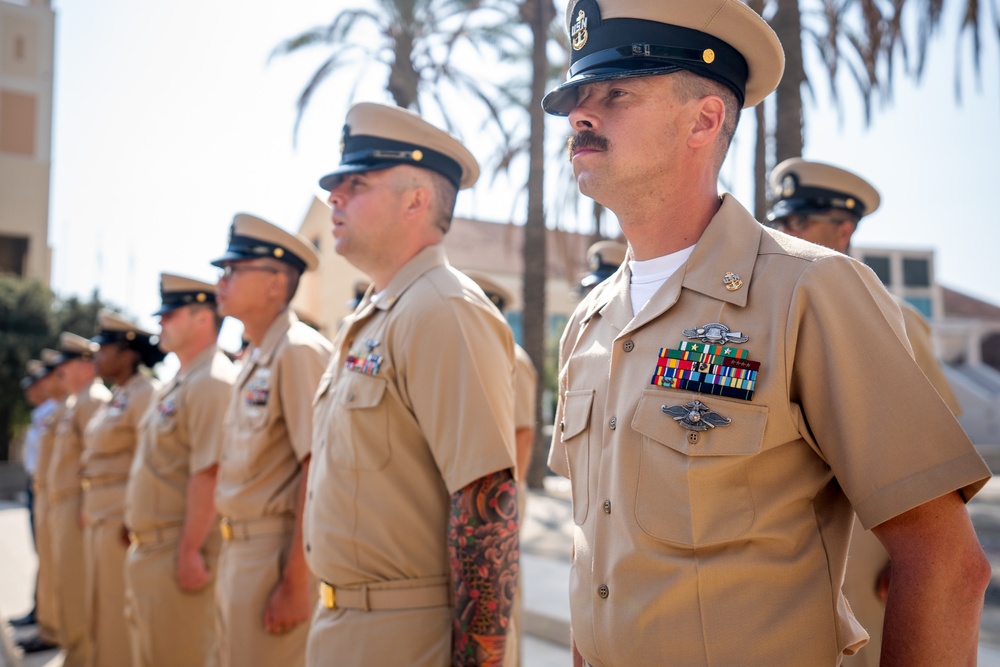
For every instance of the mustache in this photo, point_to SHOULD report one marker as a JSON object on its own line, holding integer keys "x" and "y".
{"x": 586, "y": 139}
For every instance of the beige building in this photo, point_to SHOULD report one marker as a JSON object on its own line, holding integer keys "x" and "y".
{"x": 493, "y": 248}
{"x": 27, "y": 36}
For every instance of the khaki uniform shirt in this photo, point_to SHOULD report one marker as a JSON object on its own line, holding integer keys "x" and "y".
{"x": 727, "y": 545}
{"x": 180, "y": 435}
{"x": 46, "y": 447}
{"x": 918, "y": 331}
{"x": 525, "y": 378}
{"x": 110, "y": 441}
{"x": 64, "y": 469}
{"x": 417, "y": 404}
{"x": 268, "y": 424}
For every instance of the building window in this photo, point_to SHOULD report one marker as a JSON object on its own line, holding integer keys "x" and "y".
{"x": 916, "y": 272}
{"x": 880, "y": 265}
{"x": 921, "y": 303}
{"x": 17, "y": 123}
{"x": 13, "y": 255}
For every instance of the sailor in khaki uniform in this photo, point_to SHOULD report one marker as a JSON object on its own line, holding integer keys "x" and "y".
{"x": 42, "y": 392}
{"x": 85, "y": 394}
{"x": 169, "y": 504}
{"x": 263, "y": 590}
{"x": 824, "y": 204}
{"x": 603, "y": 259}
{"x": 110, "y": 441}
{"x": 525, "y": 383}
{"x": 731, "y": 393}
{"x": 411, "y": 522}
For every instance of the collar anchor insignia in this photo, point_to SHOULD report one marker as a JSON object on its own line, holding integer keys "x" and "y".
{"x": 732, "y": 281}
{"x": 716, "y": 334}
{"x": 695, "y": 416}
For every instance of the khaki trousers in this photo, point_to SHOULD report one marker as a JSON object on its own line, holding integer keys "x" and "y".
{"x": 249, "y": 569}
{"x": 104, "y": 553}
{"x": 169, "y": 627}
{"x": 70, "y": 575}
{"x": 46, "y": 598}
{"x": 411, "y": 637}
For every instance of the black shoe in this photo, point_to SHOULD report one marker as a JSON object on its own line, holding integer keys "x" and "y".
{"x": 36, "y": 644}
{"x": 27, "y": 619}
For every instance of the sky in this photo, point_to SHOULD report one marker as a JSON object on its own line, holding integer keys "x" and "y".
{"x": 169, "y": 119}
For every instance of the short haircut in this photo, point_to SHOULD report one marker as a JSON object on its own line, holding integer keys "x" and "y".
{"x": 211, "y": 307}
{"x": 443, "y": 202}
{"x": 690, "y": 86}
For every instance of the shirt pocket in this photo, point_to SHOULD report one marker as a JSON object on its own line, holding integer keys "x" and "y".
{"x": 363, "y": 442}
{"x": 575, "y": 434}
{"x": 693, "y": 487}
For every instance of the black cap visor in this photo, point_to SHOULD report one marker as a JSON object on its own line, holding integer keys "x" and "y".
{"x": 626, "y": 47}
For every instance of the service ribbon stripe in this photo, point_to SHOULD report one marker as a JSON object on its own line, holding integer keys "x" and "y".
{"x": 718, "y": 350}
{"x": 668, "y": 354}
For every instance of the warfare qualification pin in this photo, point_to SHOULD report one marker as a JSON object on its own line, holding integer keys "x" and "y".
{"x": 695, "y": 416}
{"x": 716, "y": 334}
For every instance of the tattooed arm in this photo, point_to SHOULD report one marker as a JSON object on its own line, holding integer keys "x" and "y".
{"x": 483, "y": 551}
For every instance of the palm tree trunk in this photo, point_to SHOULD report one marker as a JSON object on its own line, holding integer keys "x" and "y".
{"x": 790, "y": 126}
{"x": 760, "y": 165}
{"x": 534, "y": 252}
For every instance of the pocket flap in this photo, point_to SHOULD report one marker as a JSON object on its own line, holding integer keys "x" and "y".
{"x": 364, "y": 391}
{"x": 576, "y": 412}
{"x": 743, "y": 435}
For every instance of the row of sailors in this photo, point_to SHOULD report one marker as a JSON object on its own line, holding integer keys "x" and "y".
{"x": 137, "y": 487}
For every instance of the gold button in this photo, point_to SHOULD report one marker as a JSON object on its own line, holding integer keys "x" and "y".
{"x": 708, "y": 55}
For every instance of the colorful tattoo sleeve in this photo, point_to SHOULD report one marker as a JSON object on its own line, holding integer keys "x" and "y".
{"x": 483, "y": 551}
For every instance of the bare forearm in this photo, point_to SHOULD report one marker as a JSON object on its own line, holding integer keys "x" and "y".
{"x": 483, "y": 553}
{"x": 939, "y": 577}
{"x": 199, "y": 513}
{"x": 524, "y": 440}
{"x": 296, "y": 571}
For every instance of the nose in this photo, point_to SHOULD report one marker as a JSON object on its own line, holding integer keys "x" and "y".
{"x": 336, "y": 197}
{"x": 582, "y": 116}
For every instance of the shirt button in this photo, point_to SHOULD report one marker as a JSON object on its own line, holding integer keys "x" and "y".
{"x": 607, "y": 507}
{"x": 308, "y": 548}
{"x": 562, "y": 425}
{"x": 613, "y": 423}
{"x": 693, "y": 437}
{"x": 628, "y": 346}
{"x": 602, "y": 590}
{"x": 350, "y": 397}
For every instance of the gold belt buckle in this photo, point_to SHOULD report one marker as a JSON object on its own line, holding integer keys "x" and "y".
{"x": 85, "y": 484}
{"x": 226, "y": 528}
{"x": 133, "y": 538}
{"x": 327, "y": 595}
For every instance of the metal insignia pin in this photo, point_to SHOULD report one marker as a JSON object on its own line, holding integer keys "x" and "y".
{"x": 732, "y": 281}
{"x": 695, "y": 416}
{"x": 716, "y": 334}
{"x": 371, "y": 344}
{"x": 578, "y": 32}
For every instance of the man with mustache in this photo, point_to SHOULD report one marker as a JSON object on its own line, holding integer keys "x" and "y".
{"x": 731, "y": 396}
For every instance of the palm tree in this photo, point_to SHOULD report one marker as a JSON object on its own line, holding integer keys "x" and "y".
{"x": 415, "y": 47}
{"x": 864, "y": 37}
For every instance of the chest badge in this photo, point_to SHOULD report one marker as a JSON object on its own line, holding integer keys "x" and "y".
{"x": 711, "y": 366}
{"x": 258, "y": 389}
{"x": 365, "y": 362}
{"x": 716, "y": 334}
{"x": 695, "y": 416}
{"x": 167, "y": 407}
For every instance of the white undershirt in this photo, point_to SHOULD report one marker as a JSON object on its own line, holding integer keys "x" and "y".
{"x": 650, "y": 274}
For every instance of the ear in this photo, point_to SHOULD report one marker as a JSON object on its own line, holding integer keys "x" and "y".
{"x": 710, "y": 113}
{"x": 845, "y": 231}
{"x": 416, "y": 202}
